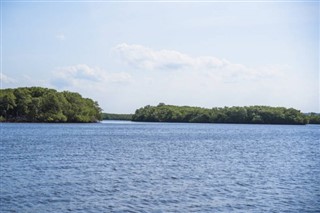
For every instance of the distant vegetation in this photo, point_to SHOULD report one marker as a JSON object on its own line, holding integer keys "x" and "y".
{"x": 110, "y": 116}
{"x": 37, "y": 104}
{"x": 246, "y": 115}
{"x": 313, "y": 118}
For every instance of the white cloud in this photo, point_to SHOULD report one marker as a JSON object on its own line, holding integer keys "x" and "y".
{"x": 61, "y": 37}
{"x": 80, "y": 71}
{"x": 6, "y": 79}
{"x": 147, "y": 59}
{"x": 82, "y": 75}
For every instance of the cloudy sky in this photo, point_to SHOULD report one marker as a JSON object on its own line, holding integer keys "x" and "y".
{"x": 129, "y": 54}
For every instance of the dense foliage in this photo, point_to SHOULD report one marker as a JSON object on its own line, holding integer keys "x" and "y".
{"x": 37, "y": 104}
{"x": 110, "y": 116}
{"x": 250, "y": 114}
{"x": 313, "y": 118}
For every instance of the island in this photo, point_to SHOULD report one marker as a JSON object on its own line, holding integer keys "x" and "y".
{"x": 37, "y": 104}
{"x": 235, "y": 114}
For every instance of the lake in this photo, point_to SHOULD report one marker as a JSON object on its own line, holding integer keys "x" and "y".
{"x": 159, "y": 167}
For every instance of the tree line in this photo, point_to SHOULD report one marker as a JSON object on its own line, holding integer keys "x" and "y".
{"x": 112, "y": 116}
{"x": 37, "y": 104}
{"x": 245, "y": 115}
{"x": 313, "y": 118}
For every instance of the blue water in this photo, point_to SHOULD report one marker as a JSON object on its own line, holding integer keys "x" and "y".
{"x": 159, "y": 167}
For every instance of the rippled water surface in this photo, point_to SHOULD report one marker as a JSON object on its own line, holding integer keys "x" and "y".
{"x": 159, "y": 167}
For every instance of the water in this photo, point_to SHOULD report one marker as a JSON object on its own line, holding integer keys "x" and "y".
{"x": 159, "y": 167}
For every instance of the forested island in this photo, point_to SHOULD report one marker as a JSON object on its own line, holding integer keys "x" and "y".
{"x": 245, "y": 115}
{"x": 37, "y": 104}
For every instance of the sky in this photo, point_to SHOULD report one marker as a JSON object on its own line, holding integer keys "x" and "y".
{"x": 126, "y": 55}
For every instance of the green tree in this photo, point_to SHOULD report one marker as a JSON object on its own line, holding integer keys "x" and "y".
{"x": 37, "y": 104}
{"x": 7, "y": 103}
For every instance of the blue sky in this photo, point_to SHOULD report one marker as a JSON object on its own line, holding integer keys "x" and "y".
{"x": 129, "y": 54}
